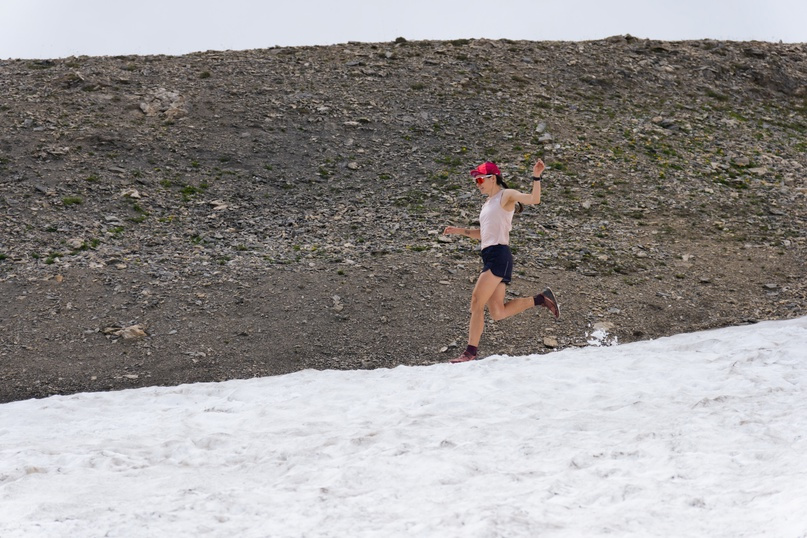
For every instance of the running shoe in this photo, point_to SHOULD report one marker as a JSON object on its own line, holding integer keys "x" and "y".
{"x": 550, "y": 302}
{"x": 465, "y": 357}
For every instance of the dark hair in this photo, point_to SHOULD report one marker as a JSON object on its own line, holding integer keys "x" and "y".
{"x": 500, "y": 182}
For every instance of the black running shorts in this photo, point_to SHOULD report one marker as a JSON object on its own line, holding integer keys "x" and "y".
{"x": 499, "y": 260}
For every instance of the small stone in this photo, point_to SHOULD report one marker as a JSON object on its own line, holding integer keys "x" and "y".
{"x": 132, "y": 332}
{"x": 130, "y": 193}
{"x": 550, "y": 342}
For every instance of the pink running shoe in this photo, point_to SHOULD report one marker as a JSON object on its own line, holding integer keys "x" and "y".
{"x": 465, "y": 357}
{"x": 550, "y": 302}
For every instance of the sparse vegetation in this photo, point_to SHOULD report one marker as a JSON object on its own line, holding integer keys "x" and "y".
{"x": 217, "y": 204}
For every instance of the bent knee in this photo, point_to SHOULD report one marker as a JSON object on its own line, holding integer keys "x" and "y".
{"x": 476, "y": 304}
{"x": 496, "y": 313}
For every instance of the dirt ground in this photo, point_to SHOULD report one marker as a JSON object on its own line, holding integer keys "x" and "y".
{"x": 58, "y": 331}
{"x": 222, "y": 215}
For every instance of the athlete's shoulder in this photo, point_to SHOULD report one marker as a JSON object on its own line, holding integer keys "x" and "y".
{"x": 508, "y": 194}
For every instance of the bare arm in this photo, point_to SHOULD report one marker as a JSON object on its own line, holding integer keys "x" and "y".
{"x": 473, "y": 233}
{"x": 511, "y": 196}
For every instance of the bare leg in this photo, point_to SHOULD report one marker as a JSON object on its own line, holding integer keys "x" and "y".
{"x": 486, "y": 285}
{"x": 499, "y": 309}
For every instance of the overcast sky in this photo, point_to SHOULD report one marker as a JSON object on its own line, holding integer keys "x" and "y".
{"x": 60, "y": 28}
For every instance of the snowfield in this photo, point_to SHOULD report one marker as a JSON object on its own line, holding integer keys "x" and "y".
{"x": 694, "y": 435}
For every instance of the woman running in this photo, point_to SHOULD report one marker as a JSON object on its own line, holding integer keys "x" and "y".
{"x": 495, "y": 222}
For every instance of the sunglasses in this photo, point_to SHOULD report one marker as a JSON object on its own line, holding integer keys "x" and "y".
{"x": 481, "y": 179}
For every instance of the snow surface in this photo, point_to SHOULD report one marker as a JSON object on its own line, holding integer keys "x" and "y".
{"x": 694, "y": 435}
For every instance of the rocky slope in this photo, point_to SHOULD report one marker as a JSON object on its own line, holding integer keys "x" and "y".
{"x": 231, "y": 214}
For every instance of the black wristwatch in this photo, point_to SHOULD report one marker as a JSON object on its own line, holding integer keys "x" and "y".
{"x": 536, "y": 178}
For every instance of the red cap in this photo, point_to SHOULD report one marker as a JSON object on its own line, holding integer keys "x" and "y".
{"x": 486, "y": 169}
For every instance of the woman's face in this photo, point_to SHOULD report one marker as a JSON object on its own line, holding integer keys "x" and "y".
{"x": 485, "y": 184}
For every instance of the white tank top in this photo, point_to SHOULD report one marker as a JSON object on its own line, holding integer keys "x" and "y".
{"x": 494, "y": 222}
